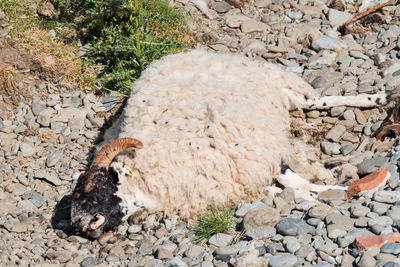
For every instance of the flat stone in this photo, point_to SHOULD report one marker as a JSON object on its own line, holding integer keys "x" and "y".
{"x": 250, "y": 26}
{"x": 381, "y": 220}
{"x": 229, "y": 250}
{"x": 321, "y": 210}
{"x": 220, "y": 240}
{"x": 133, "y": 229}
{"x": 53, "y": 158}
{"x": 164, "y": 254}
{"x": 60, "y": 255}
{"x": 370, "y": 165}
{"x": 394, "y": 213}
{"x": 222, "y": 7}
{"x": 337, "y": 17}
{"x": 379, "y": 208}
{"x": 337, "y": 218}
{"x": 16, "y": 227}
{"x": 358, "y": 210}
{"x": 360, "y": 117}
{"x": 27, "y": 149}
{"x": 332, "y": 195}
{"x": 261, "y": 216}
{"x": 48, "y": 176}
{"x": 261, "y": 232}
{"x": 293, "y": 227}
{"x": 367, "y": 260}
{"x": 335, "y": 231}
{"x": 391, "y": 248}
{"x": 282, "y": 260}
{"x": 335, "y": 133}
{"x": 336, "y": 111}
{"x": 194, "y": 251}
{"x": 389, "y": 70}
{"x": 326, "y": 43}
{"x": 386, "y": 196}
{"x": 330, "y": 148}
{"x": 243, "y": 208}
{"x": 291, "y": 244}
{"x": 234, "y": 21}
{"x": 34, "y": 197}
{"x": 44, "y": 117}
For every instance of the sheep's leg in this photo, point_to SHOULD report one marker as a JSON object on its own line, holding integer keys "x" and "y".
{"x": 361, "y": 100}
{"x": 302, "y": 187}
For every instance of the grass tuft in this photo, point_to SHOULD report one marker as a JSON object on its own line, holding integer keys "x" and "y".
{"x": 125, "y": 36}
{"x": 214, "y": 222}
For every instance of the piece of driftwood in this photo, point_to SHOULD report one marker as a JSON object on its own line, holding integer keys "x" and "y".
{"x": 365, "y": 13}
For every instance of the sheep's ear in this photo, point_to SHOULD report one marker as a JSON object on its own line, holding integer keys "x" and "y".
{"x": 117, "y": 172}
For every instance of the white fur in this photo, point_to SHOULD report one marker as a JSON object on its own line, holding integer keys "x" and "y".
{"x": 215, "y": 129}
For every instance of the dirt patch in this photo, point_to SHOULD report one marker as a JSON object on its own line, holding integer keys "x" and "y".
{"x": 22, "y": 71}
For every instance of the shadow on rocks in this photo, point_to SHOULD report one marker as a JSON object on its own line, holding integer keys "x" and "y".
{"x": 62, "y": 215}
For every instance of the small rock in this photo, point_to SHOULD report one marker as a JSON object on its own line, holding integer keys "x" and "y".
{"x": 370, "y": 165}
{"x": 293, "y": 227}
{"x": 282, "y": 260}
{"x": 330, "y": 148}
{"x": 34, "y": 197}
{"x": 335, "y": 133}
{"x": 250, "y": 26}
{"x": 261, "y": 232}
{"x": 164, "y": 254}
{"x": 337, "y": 17}
{"x": 16, "y": 227}
{"x": 194, "y": 251}
{"x": 53, "y": 158}
{"x": 331, "y": 195}
{"x": 220, "y": 240}
{"x": 234, "y": 21}
{"x": 387, "y": 196}
{"x": 222, "y": 7}
{"x": 391, "y": 248}
{"x": 60, "y": 255}
{"x": 367, "y": 261}
{"x": 27, "y": 149}
{"x": 261, "y": 216}
{"x": 326, "y": 43}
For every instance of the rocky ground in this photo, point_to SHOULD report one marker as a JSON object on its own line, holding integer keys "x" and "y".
{"x": 47, "y": 137}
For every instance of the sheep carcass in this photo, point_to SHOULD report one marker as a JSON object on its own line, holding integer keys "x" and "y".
{"x": 215, "y": 129}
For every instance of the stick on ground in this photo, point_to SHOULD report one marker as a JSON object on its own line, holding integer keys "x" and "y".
{"x": 367, "y": 12}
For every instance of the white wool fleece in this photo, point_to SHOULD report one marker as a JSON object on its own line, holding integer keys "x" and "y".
{"x": 214, "y": 127}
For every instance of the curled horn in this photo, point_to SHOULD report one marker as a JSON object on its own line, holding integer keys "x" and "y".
{"x": 112, "y": 149}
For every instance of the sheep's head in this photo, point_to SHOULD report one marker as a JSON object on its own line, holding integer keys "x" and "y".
{"x": 95, "y": 206}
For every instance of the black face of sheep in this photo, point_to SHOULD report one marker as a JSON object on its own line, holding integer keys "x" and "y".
{"x": 95, "y": 206}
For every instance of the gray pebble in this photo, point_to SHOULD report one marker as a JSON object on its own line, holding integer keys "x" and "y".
{"x": 34, "y": 197}
{"x": 330, "y": 148}
{"x": 220, "y": 240}
{"x": 336, "y": 111}
{"x": 261, "y": 232}
{"x": 391, "y": 248}
{"x": 349, "y": 115}
{"x": 53, "y": 158}
{"x": 282, "y": 260}
{"x": 326, "y": 43}
{"x": 371, "y": 165}
{"x": 387, "y": 196}
{"x": 88, "y": 262}
{"x": 336, "y": 132}
{"x": 222, "y": 7}
{"x": 292, "y": 226}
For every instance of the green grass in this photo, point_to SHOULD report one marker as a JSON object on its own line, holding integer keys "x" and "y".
{"x": 214, "y": 222}
{"x": 125, "y": 35}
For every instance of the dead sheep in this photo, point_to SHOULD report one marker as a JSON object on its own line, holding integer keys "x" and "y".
{"x": 214, "y": 129}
